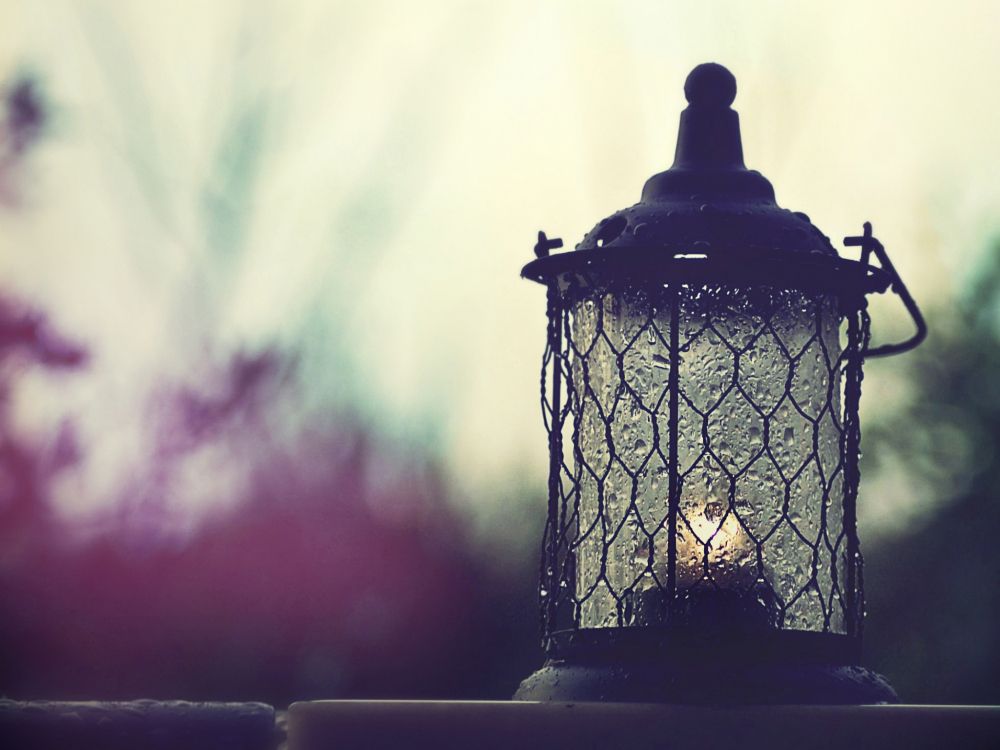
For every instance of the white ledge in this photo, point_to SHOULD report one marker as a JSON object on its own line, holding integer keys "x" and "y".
{"x": 374, "y": 725}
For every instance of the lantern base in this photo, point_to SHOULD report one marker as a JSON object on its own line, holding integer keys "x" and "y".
{"x": 663, "y": 665}
{"x": 648, "y": 683}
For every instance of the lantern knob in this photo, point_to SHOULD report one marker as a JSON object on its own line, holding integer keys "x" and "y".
{"x": 709, "y": 136}
{"x": 710, "y": 85}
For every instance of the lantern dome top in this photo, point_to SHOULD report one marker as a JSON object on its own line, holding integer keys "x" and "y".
{"x": 708, "y": 217}
{"x": 708, "y": 197}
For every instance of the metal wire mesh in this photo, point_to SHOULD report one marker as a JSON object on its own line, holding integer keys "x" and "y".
{"x": 704, "y": 449}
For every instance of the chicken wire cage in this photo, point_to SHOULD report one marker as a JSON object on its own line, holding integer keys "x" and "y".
{"x": 700, "y": 389}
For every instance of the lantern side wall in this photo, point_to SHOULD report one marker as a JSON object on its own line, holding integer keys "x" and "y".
{"x": 739, "y": 389}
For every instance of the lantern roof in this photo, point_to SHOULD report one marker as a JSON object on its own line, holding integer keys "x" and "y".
{"x": 708, "y": 199}
{"x": 708, "y": 216}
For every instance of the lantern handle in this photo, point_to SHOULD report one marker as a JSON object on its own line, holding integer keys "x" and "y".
{"x": 871, "y": 245}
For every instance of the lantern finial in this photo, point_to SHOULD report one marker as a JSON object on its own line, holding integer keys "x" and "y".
{"x": 710, "y": 85}
{"x": 709, "y": 135}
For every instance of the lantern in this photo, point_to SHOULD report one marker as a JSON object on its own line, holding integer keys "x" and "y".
{"x": 700, "y": 389}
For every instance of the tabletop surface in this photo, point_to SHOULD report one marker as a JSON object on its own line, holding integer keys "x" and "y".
{"x": 342, "y": 725}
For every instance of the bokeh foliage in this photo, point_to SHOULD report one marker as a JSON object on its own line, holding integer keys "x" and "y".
{"x": 933, "y": 589}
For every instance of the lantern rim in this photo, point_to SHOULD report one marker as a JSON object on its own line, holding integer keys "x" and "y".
{"x": 644, "y": 267}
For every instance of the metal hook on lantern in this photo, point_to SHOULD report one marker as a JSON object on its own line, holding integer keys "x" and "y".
{"x": 870, "y": 245}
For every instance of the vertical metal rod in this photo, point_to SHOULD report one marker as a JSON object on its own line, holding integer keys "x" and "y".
{"x": 550, "y": 573}
{"x": 852, "y": 472}
{"x": 673, "y": 468}
{"x": 866, "y": 243}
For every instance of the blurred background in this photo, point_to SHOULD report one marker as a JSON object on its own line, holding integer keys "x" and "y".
{"x": 269, "y": 422}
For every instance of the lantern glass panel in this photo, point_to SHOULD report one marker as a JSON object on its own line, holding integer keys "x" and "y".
{"x": 759, "y": 452}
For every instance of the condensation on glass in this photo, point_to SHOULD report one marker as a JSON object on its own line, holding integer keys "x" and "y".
{"x": 759, "y": 453}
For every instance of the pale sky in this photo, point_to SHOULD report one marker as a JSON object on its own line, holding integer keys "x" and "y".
{"x": 386, "y": 166}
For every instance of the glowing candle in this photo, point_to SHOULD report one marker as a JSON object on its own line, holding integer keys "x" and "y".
{"x": 714, "y": 549}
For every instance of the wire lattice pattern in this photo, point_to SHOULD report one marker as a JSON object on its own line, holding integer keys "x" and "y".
{"x": 704, "y": 449}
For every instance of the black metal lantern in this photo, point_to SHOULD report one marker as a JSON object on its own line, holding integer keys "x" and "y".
{"x": 700, "y": 388}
